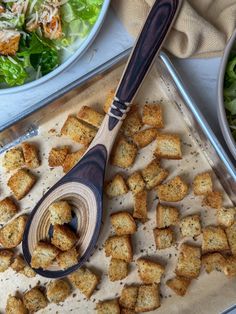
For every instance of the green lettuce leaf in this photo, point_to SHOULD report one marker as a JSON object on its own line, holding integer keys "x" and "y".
{"x": 12, "y": 71}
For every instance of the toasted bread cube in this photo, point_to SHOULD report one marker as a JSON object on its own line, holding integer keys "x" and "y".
{"x": 168, "y": 146}
{"x": 72, "y": 159}
{"x": 230, "y": 267}
{"x": 179, "y": 285}
{"x": 90, "y": 116}
{"x": 145, "y": 137}
{"x": 118, "y": 269}
{"x": 13, "y": 159}
{"x": 164, "y": 238}
{"x": 43, "y": 255}
{"x": 173, "y": 191}
{"x": 108, "y": 307}
{"x": 8, "y": 209}
{"x": 153, "y": 116}
{"x": 140, "y": 206}
{"x": 31, "y": 155}
{"x": 28, "y": 272}
{"x": 153, "y": 174}
{"x": 58, "y": 291}
{"x": 63, "y": 237}
{"x": 21, "y": 183}
{"x": 85, "y": 280}
{"x": 109, "y": 101}
{"x": 5, "y": 259}
{"x": 60, "y": 213}
{"x": 11, "y": 234}
{"x": 189, "y": 261}
{"x": 123, "y": 223}
{"x": 213, "y": 199}
{"x": 19, "y": 265}
{"x": 78, "y": 131}
{"x": 231, "y": 235}
{"x": 119, "y": 247}
{"x": 190, "y": 226}
{"x": 213, "y": 261}
{"x": 124, "y": 154}
{"x": 127, "y": 311}
{"x": 214, "y": 239}
{"x": 166, "y": 216}
{"x": 15, "y": 306}
{"x": 136, "y": 183}
{"x": 202, "y": 184}
{"x": 68, "y": 258}
{"x": 34, "y": 300}
{"x": 57, "y": 156}
{"x": 148, "y": 298}
{"x": 150, "y": 272}
{"x": 225, "y": 216}
{"x": 9, "y": 43}
{"x": 116, "y": 186}
{"x": 129, "y": 296}
{"x": 132, "y": 123}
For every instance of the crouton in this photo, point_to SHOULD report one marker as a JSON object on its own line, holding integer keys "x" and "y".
{"x": 214, "y": 239}
{"x": 145, "y": 137}
{"x": 173, "y": 191}
{"x": 28, "y": 272}
{"x": 190, "y": 226}
{"x": 213, "y": 261}
{"x": 15, "y": 306}
{"x": 90, "y": 116}
{"x": 231, "y": 235}
{"x": 21, "y": 183}
{"x": 202, "y": 184}
{"x": 63, "y": 237}
{"x": 11, "y": 234}
{"x": 108, "y": 307}
{"x": 230, "y": 267}
{"x": 19, "y": 265}
{"x": 9, "y": 44}
{"x": 164, "y": 238}
{"x": 60, "y": 213}
{"x": 123, "y": 154}
{"x": 31, "y": 155}
{"x": 85, "y": 280}
{"x": 53, "y": 28}
{"x": 127, "y": 311}
{"x": 153, "y": 174}
{"x": 123, "y": 223}
{"x": 225, "y": 216}
{"x": 2, "y": 9}
{"x": 136, "y": 183}
{"x": 119, "y": 247}
{"x": 153, "y": 116}
{"x": 109, "y": 101}
{"x": 118, "y": 269}
{"x": 78, "y": 131}
{"x": 68, "y": 258}
{"x": 179, "y": 285}
{"x": 58, "y": 291}
{"x": 43, "y": 255}
{"x": 34, "y": 300}
{"x": 5, "y": 259}
{"x": 150, "y": 272}
{"x": 13, "y": 158}
{"x": 57, "y": 156}
{"x": 148, "y": 298}
{"x": 8, "y": 209}
{"x": 168, "y": 146}
{"x": 166, "y": 216}
{"x": 213, "y": 199}
{"x": 116, "y": 187}
{"x": 189, "y": 261}
{"x": 72, "y": 159}
{"x": 140, "y": 206}
{"x": 129, "y": 296}
{"x": 132, "y": 123}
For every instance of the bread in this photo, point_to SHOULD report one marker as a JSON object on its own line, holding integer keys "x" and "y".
{"x": 119, "y": 247}
{"x": 31, "y": 155}
{"x": 129, "y": 296}
{"x": 164, "y": 238}
{"x": 34, "y": 300}
{"x": 57, "y": 156}
{"x": 213, "y": 199}
{"x": 149, "y": 271}
{"x": 153, "y": 116}
{"x": 60, "y": 212}
{"x": 148, "y": 298}
{"x": 21, "y": 183}
{"x": 123, "y": 223}
{"x": 108, "y": 101}
{"x": 132, "y": 123}
{"x": 72, "y": 159}
{"x": 179, "y": 285}
{"x": 118, "y": 269}
{"x": 13, "y": 159}
{"x": 63, "y": 237}
{"x": 6, "y": 257}
{"x": 58, "y": 291}
{"x": 116, "y": 187}
{"x": 173, "y": 191}
{"x": 140, "y": 206}
{"x": 8, "y": 209}
{"x": 214, "y": 239}
{"x": 145, "y": 137}
{"x": 15, "y": 306}
{"x": 225, "y": 216}
{"x": 11, "y": 234}
{"x": 202, "y": 184}
{"x": 136, "y": 182}
{"x": 43, "y": 255}
{"x": 127, "y": 311}
{"x": 9, "y": 43}
{"x": 19, "y": 265}
{"x": 153, "y": 174}
{"x": 68, "y": 258}
{"x": 166, "y": 216}
{"x": 108, "y": 307}
{"x": 190, "y": 226}
{"x": 231, "y": 235}
{"x": 168, "y": 146}
{"x": 90, "y": 116}
{"x": 124, "y": 153}
{"x": 230, "y": 267}
{"x": 213, "y": 261}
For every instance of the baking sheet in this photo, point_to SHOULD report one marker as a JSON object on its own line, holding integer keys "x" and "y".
{"x": 209, "y": 293}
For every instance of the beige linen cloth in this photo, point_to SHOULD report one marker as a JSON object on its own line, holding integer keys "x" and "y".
{"x": 201, "y": 29}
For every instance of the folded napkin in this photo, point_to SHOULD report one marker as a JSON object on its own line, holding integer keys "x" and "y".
{"x": 201, "y": 29}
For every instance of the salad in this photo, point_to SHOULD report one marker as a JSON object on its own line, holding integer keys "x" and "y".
{"x": 230, "y": 93}
{"x": 35, "y": 33}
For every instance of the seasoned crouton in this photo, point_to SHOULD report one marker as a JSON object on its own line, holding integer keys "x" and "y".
{"x": 68, "y": 258}
{"x": 148, "y": 298}
{"x": 34, "y": 300}
{"x": 190, "y": 226}
{"x": 43, "y": 255}
{"x": 145, "y": 137}
{"x": 166, "y": 216}
{"x": 153, "y": 174}
{"x": 72, "y": 159}
{"x": 2, "y": 9}
{"x": 127, "y": 311}
{"x": 116, "y": 186}
{"x": 85, "y": 280}
{"x": 231, "y": 235}
{"x": 57, "y": 156}
{"x": 58, "y": 291}
{"x": 152, "y": 115}
{"x": 124, "y": 154}
{"x": 108, "y": 307}
{"x": 168, "y": 146}
{"x": 60, "y": 213}
{"x": 213, "y": 261}
{"x": 119, "y": 247}
{"x": 15, "y": 306}
{"x": 173, "y": 191}
{"x": 214, "y": 239}
{"x": 19, "y": 265}
{"x": 7, "y": 209}
{"x": 136, "y": 183}
{"x": 63, "y": 237}
{"x": 21, "y": 183}
{"x": 179, "y": 285}
{"x": 9, "y": 44}
{"x": 164, "y": 238}
{"x": 213, "y": 199}
{"x": 225, "y": 216}
{"x": 132, "y": 123}
{"x": 78, "y": 131}
{"x": 5, "y": 259}
{"x": 202, "y": 184}
{"x": 13, "y": 159}
{"x": 189, "y": 261}
{"x": 90, "y": 116}
{"x": 53, "y": 29}
{"x": 128, "y": 296}
{"x": 118, "y": 269}
{"x": 28, "y": 272}
{"x": 31, "y": 155}
{"x": 150, "y": 272}
{"x": 123, "y": 223}
{"x": 230, "y": 267}
{"x": 140, "y": 206}
{"x": 109, "y": 100}
{"x": 11, "y": 234}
